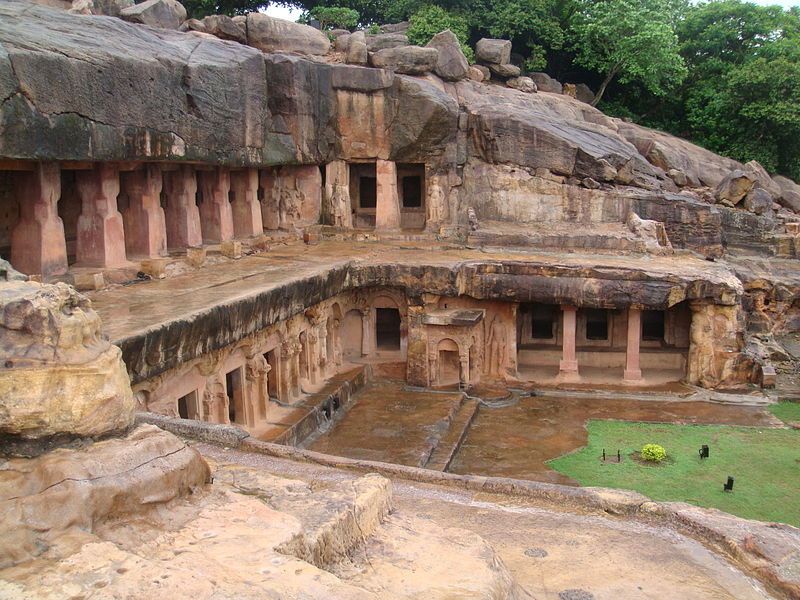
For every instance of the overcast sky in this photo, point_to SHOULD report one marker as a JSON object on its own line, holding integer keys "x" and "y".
{"x": 292, "y": 13}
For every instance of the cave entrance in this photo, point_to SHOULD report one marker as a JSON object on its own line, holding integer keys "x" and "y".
{"x": 411, "y": 192}
{"x": 234, "y": 388}
{"x": 387, "y": 328}
{"x": 364, "y": 194}
{"x": 653, "y": 325}
{"x": 189, "y": 407}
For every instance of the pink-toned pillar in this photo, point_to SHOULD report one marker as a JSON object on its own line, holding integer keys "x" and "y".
{"x": 270, "y": 216}
{"x": 216, "y": 217}
{"x": 633, "y": 371}
{"x": 387, "y": 207}
{"x": 38, "y": 245}
{"x": 145, "y": 225}
{"x": 569, "y": 364}
{"x": 182, "y": 214}
{"x": 101, "y": 233}
{"x": 245, "y": 206}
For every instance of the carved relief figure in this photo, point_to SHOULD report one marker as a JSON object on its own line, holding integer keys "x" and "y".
{"x": 215, "y": 400}
{"x": 497, "y": 347}
{"x": 256, "y": 372}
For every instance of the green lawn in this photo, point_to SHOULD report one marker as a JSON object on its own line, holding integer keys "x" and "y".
{"x": 765, "y": 463}
{"x": 788, "y": 412}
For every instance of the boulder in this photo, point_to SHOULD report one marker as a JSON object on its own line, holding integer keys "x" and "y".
{"x": 679, "y": 177}
{"x": 166, "y": 14}
{"x": 487, "y": 74}
{"x": 60, "y": 378}
{"x": 736, "y": 185}
{"x": 758, "y": 201}
{"x": 505, "y": 71}
{"x": 9, "y": 273}
{"x": 584, "y": 93}
{"x": 762, "y": 178}
{"x": 111, "y": 8}
{"x": 408, "y": 60}
{"x": 81, "y": 7}
{"x": 790, "y": 193}
{"x": 475, "y": 74}
{"x": 494, "y": 52}
{"x": 357, "y": 53}
{"x": 452, "y": 65}
{"x": 224, "y": 28}
{"x": 270, "y": 34}
{"x": 523, "y": 84}
{"x": 337, "y": 33}
{"x": 241, "y": 23}
{"x": 400, "y": 27}
{"x": 545, "y": 83}
{"x": 342, "y": 43}
{"x": 652, "y": 232}
{"x": 192, "y": 25}
{"x": 386, "y": 40}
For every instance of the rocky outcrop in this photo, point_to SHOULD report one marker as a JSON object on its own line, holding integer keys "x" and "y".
{"x": 224, "y": 28}
{"x": 523, "y": 84}
{"x": 545, "y": 83}
{"x": 385, "y": 41}
{"x": 451, "y": 65}
{"x": 167, "y": 14}
{"x": 409, "y": 60}
{"x": 270, "y": 34}
{"x": 59, "y": 378}
{"x": 65, "y": 490}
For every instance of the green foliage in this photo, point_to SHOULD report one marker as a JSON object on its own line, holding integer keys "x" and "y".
{"x": 330, "y": 17}
{"x": 763, "y": 461}
{"x": 430, "y": 20}
{"x": 653, "y": 453}
{"x": 197, "y": 9}
{"x": 633, "y": 40}
{"x": 374, "y": 29}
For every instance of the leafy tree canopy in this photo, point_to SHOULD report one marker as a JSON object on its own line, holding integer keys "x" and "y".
{"x": 430, "y": 20}
{"x": 335, "y": 16}
{"x": 197, "y": 9}
{"x": 630, "y": 39}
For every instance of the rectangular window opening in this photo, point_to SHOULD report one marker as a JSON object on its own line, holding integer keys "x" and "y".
{"x": 188, "y": 406}
{"x": 596, "y": 324}
{"x": 653, "y": 325}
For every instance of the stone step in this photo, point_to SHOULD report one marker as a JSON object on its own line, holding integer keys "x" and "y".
{"x": 448, "y": 445}
{"x": 334, "y": 521}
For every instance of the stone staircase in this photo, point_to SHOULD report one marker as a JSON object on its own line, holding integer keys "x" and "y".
{"x": 449, "y": 443}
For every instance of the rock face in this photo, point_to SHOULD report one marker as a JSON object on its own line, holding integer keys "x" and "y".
{"x": 409, "y": 60}
{"x": 494, "y": 52}
{"x": 167, "y": 14}
{"x": 452, "y": 65}
{"x": 46, "y": 497}
{"x": 59, "y": 376}
{"x": 269, "y": 34}
{"x": 357, "y": 53}
{"x": 386, "y": 40}
{"x": 790, "y": 193}
{"x": 111, "y": 8}
{"x": 505, "y": 71}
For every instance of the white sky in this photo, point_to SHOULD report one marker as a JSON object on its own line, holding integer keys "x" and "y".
{"x": 292, "y": 13}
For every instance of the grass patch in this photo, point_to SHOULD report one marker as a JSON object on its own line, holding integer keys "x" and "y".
{"x": 765, "y": 463}
{"x": 788, "y": 412}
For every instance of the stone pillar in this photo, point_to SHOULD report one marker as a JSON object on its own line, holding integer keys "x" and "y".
{"x": 216, "y": 216}
{"x": 145, "y": 224}
{"x": 270, "y": 217}
{"x": 463, "y": 375}
{"x": 297, "y": 389}
{"x": 285, "y": 372}
{"x": 366, "y": 332}
{"x": 38, "y": 245}
{"x": 387, "y": 208}
{"x": 182, "y": 214}
{"x": 246, "y": 208}
{"x": 312, "y": 355}
{"x": 101, "y": 232}
{"x": 568, "y": 367}
{"x": 338, "y": 209}
{"x": 632, "y": 370}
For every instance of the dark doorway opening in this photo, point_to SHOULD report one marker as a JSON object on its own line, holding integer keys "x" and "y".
{"x": 272, "y": 379}
{"x": 235, "y": 390}
{"x": 412, "y": 191}
{"x": 387, "y": 328}
{"x": 653, "y": 325}
{"x": 596, "y": 324}
{"x": 188, "y": 406}
{"x": 368, "y": 192}
{"x": 543, "y": 322}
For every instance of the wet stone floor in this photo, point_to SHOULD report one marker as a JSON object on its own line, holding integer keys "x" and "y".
{"x": 392, "y": 423}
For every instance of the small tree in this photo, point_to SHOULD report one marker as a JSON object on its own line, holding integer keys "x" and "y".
{"x": 633, "y": 40}
{"x": 430, "y": 20}
{"x": 335, "y": 16}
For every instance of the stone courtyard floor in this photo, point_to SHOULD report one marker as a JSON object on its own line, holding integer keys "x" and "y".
{"x": 553, "y": 555}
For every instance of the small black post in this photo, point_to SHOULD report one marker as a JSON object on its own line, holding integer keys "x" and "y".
{"x": 728, "y": 487}
{"x": 619, "y": 457}
{"x": 704, "y": 451}
{"x": 604, "y": 455}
